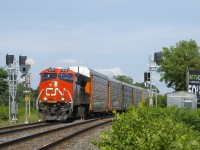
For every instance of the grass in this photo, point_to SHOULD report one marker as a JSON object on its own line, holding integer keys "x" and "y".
{"x": 4, "y": 116}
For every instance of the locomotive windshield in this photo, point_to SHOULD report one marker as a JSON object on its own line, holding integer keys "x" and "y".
{"x": 65, "y": 77}
{"x": 48, "y": 76}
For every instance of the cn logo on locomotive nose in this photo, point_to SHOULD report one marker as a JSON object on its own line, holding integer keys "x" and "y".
{"x": 48, "y": 90}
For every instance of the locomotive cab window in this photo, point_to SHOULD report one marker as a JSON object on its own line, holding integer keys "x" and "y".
{"x": 65, "y": 77}
{"x": 48, "y": 76}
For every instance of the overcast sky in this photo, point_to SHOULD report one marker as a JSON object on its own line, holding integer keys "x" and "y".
{"x": 111, "y": 36}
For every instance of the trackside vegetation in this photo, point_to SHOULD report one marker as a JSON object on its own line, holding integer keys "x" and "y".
{"x": 4, "y": 115}
{"x": 152, "y": 128}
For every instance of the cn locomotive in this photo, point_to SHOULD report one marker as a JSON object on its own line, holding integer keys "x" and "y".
{"x": 77, "y": 91}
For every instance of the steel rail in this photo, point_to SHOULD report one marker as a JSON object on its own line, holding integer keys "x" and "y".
{"x": 27, "y": 128}
{"x": 12, "y": 142}
{"x": 72, "y": 136}
{"x": 20, "y": 125}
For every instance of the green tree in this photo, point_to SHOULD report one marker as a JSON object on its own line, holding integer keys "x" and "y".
{"x": 21, "y": 95}
{"x": 124, "y": 78}
{"x": 142, "y": 85}
{"x": 4, "y": 98}
{"x": 3, "y": 82}
{"x": 175, "y": 60}
{"x": 161, "y": 100}
{"x": 3, "y": 87}
{"x": 34, "y": 95}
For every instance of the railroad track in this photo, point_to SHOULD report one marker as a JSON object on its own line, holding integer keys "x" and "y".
{"x": 19, "y": 126}
{"x": 53, "y": 137}
{"x": 22, "y": 127}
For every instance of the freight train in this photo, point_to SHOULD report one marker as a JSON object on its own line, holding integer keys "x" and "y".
{"x": 77, "y": 91}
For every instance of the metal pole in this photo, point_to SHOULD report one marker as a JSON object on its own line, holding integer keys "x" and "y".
{"x": 156, "y": 98}
{"x": 12, "y": 80}
{"x": 150, "y": 67}
{"x": 9, "y": 104}
{"x": 187, "y": 78}
{"x": 29, "y": 88}
{"x": 27, "y": 97}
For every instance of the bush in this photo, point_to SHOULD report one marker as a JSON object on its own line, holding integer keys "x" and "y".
{"x": 153, "y": 128}
{"x": 4, "y": 113}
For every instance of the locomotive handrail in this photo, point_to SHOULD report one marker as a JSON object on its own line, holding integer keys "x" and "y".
{"x": 70, "y": 98}
{"x": 38, "y": 98}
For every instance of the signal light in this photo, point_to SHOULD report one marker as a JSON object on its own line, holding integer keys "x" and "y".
{"x": 157, "y": 57}
{"x": 9, "y": 59}
{"x": 24, "y": 69}
{"x": 22, "y": 60}
{"x": 147, "y": 76}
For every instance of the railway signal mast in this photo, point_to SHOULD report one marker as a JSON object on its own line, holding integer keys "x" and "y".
{"x": 25, "y": 65}
{"x": 152, "y": 67}
{"x": 12, "y": 82}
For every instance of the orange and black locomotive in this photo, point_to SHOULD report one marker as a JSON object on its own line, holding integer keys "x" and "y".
{"x": 76, "y": 91}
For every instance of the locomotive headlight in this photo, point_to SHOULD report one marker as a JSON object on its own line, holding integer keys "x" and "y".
{"x": 55, "y": 84}
{"x": 45, "y": 98}
{"x": 62, "y": 98}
